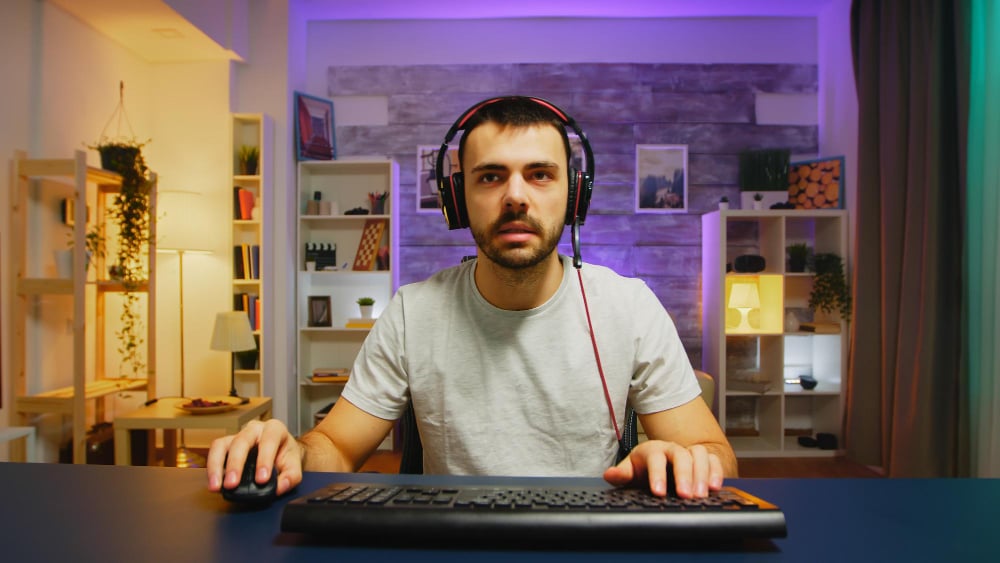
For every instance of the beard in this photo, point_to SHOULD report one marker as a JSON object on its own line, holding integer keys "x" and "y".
{"x": 517, "y": 256}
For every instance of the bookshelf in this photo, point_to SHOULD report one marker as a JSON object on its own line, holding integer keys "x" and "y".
{"x": 350, "y": 267}
{"x": 762, "y": 413}
{"x": 252, "y": 196}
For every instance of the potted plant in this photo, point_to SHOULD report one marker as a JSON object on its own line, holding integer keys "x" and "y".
{"x": 830, "y": 292}
{"x": 798, "y": 257}
{"x": 723, "y": 202}
{"x": 366, "y": 304}
{"x": 248, "y": 158}
{"x": 130, "y": 211}
{"x": 763, "y": 170}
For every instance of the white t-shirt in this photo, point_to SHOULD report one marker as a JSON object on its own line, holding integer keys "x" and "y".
{"x": 500, "y": 392}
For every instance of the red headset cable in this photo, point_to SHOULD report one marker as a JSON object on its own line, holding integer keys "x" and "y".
{"x": 597, "y": 356}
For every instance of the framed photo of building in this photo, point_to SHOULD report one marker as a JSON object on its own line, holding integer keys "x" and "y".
{"x": 314, "y": 138}
{"x": 661, "y": 178}
{"x": 428, "y": 200}
{"x": 319, "y": 311}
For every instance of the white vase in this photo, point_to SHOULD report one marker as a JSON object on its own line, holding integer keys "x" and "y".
{"x": 723, "y": 205}
{"x": 791, "y": 322}
{"x": 366, "y": 311}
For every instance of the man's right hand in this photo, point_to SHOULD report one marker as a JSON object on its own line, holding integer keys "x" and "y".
{"x": 277, "y": 450}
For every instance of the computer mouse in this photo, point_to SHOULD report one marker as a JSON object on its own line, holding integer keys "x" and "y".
{"x": 248, "y": 491}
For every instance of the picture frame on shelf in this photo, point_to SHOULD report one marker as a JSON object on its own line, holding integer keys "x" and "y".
{"x": 428, "y": 200}
{"x": 319, "y": 311}
{"x": 661, "y": 173}
{"x": 314, "y": 126}
{"x": 817, "y": 183}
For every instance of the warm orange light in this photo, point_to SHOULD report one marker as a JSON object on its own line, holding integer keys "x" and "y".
{"x": 743, "y": 297}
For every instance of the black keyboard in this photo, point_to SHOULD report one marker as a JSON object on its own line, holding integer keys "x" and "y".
{"x": 481, "y": 515}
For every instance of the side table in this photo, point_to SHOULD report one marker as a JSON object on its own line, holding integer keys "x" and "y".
{"x": 164, "y": 415}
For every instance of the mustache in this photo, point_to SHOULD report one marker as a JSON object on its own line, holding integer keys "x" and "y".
{"x": 519, "y": 216}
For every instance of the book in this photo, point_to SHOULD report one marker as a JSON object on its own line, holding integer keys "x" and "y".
{"x": 330, "y": 375}
{"x": 820, "y": 328}
{"x": 357, "y": 322}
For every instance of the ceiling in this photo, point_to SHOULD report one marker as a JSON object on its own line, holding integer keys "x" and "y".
{"x": 158, "y": 33}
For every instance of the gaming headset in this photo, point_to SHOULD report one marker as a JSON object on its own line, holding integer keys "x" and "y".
{"x": 451, "y": 188}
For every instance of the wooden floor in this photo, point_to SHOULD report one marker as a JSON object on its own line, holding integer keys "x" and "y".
{"x": 388, "y": 462}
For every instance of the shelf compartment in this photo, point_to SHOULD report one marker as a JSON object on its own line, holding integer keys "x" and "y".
{"x": 61, "y": 400}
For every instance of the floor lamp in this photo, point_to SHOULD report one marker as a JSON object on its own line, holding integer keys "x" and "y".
{"x": 181, "y": 235}
{"x": 232, "y": 333}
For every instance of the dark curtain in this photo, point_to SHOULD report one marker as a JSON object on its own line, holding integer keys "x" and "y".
{"x": 905, "y": 398}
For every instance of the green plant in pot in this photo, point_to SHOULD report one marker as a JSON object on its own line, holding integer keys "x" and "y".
{"x": 798, "y": 257}
{"x": 248, "y": 158}
{"x": 130, "y": 212}
{"x": 830, "y": 292}
{"x": 366, "y": 304}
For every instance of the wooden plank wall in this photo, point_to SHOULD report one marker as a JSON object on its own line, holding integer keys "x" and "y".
{"x": 709, "y": 107}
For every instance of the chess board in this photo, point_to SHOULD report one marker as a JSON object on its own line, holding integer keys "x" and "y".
{"x": 371, "y": 240}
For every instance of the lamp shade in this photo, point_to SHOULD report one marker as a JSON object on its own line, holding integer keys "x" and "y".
{"x": 232, "y": 332}
{"x": 744, "y": 296}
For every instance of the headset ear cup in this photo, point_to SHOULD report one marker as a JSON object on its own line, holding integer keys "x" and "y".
{"x": 453, "y": 201}
{"x": 580, "y": 188}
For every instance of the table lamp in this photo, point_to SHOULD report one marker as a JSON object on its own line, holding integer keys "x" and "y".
{"x": 232, "y": 333}
{"x": 743, "y": 297}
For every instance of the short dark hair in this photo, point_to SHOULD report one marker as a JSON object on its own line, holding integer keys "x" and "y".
{"x": 515, "y": 111}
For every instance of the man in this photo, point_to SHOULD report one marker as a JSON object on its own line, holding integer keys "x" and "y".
{"x": 512, "y": 366}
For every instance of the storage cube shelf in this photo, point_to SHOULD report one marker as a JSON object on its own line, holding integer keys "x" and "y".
{"x": 762, "y": 413}
{"x": 343, "y": 185}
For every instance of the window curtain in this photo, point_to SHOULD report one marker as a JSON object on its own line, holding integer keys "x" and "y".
{"x": 906, "y": 392}
{"x": 983, "y": 247}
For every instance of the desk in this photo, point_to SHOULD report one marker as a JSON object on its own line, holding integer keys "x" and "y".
{"x": 52, "y": 512}
{"x": 164, "y": 415}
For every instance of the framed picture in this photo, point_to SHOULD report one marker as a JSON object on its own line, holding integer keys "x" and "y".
{"x": 661, "y": 178}
{"x": 817, "y": 184}
{"x": 319, "y": 311}
{"x": 428, "y": 200}
{"x": 314, "y": 138}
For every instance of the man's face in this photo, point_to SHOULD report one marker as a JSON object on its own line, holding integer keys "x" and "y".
{"x": 515, "y": 192}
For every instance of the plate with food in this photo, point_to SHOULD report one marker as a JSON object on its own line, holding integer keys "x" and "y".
{"x": 208, "y": 405}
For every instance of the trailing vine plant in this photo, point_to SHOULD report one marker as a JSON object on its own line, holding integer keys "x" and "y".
{"x": 830, "y": 291}
{"x": 122, "y": 154}
{"x": 130, "y": 212}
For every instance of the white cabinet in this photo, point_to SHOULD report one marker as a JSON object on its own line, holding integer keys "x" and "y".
{"x": 746, "y": 343}
{"x": 252, "y": 196}
{"x": 330, "y": 333}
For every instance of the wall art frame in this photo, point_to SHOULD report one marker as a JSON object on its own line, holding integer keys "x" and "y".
{"x": 314, "y": 128}
{"x": 661, "y": 173}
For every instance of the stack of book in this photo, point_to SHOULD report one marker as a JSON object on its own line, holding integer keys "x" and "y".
{"x": 246, "y": 261}
{"x": 330, "y": 375}
{"x": 358, "y": 322}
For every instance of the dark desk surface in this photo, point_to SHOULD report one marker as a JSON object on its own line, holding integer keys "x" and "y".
{"x": 51, "y": 512}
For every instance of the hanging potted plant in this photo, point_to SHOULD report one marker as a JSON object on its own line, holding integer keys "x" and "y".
{"x": 130, "y": 212}
{"x": 830, "y": 292}
{"x": 122, "y": 154}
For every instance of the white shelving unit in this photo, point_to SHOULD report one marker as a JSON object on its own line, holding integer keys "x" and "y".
{"x": 344, "y": 185}
{"x": 251, "y": 130}
{"x": 767, "y": 416}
